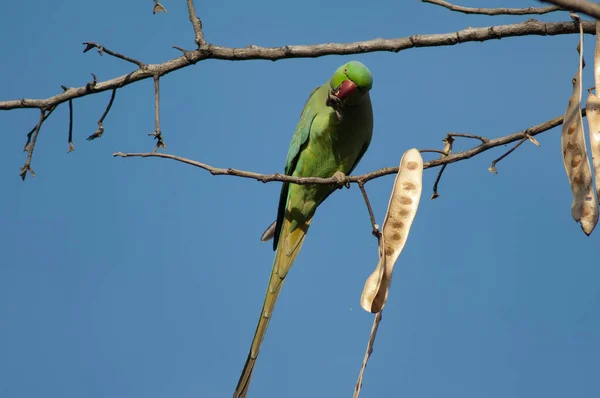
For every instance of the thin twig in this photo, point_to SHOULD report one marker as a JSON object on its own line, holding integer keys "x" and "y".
{"x": 46, "y": 115}
{"x": 435, "y": 193}
{"x": 582, "y": 6}
{"x": 364, "y": 178}
{"x": 100, "y": 130}
{"x": 530, "y": 27}
{"x": 90, "y": 86}
{"x": 475, "y": 137}
{"x": 368, "y": 352}
{"x": 494, "y": 11}
{"x": 447, "y": 149}
{"x": 241, "y": 173}
{"x": 448, "y": 141}
{"x": 157, "y": 134}
{"x": 101, "y": 49}
{"x": 157, "y": 103}
{"x": 381, "y": 246}
{"x": 71, "y": 146}
{"x": 197, "y": 24}
{"x": 433, "y": 151}
{"x": 27, "y": 166}
{"x": 459, "y": 156}
{"x": 375, "y": 230}
{"x": 186, "y": 54}
{"x": 492, "y": 168}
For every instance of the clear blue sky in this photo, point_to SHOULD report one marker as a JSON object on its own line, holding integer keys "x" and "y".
{"x": 145, "y": 277}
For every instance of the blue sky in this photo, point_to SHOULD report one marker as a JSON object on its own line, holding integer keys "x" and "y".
{"x": 145, "y": 277}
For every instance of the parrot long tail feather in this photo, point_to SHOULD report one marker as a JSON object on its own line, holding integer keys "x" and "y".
{"x": 288, "y": 243}
{"x": 261, "y": 329}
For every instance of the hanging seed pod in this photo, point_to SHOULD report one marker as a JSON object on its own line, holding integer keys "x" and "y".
{"x": 401, "y": 212}
{"x": 593, "y": 117}
{"x": 592, "y": 108}
{"x": 584, "y": 208}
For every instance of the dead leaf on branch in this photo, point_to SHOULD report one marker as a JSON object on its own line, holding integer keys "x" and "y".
{"x": 158, "y": 8}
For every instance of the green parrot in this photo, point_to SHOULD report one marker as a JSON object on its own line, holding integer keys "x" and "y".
{"x": 333, "y": 134}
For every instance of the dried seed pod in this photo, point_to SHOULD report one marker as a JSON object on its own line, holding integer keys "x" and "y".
{"x": 592, "y": 108}
{"x": 597, "y": 59}
{"x": 593, "y": 117}
{"x": 401, "y": 212}
{"x": 584, "y": 208}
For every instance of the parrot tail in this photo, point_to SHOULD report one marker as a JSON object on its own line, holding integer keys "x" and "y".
{"x": 287, "y": 250}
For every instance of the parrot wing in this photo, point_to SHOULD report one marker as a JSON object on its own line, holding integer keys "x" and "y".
{"x": 299, "y": 140}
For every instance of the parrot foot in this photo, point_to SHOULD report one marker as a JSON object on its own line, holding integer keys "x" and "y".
{"x": 335, "y": 103}
{"x": 340, "y": 179}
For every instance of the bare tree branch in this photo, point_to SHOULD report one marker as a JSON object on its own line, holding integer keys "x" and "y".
{"x": 30, "y": 134}
{"x": 448, "y": 141}
{"x": 492, "y": 168}
{"x": 494, "y": 11}
{"x": 375, "y": 231}
{"x": 459, "y": 156}
{"x": 241, "y": 173}
{"x": 475, "y": 137}
{"x": 100, "y": 130}
{"x": 368, "y": 352}
{"x": 197, "y": 24}
{"x": 435, "y": 193}
{"x": 441, "y": 152}
{"x": 361, "y": 179}
{"x": 102, "y": 49}
{"x": 582, "y": 6}
{"x": 531, "y": 27}
{"x": 30, "y": 146}
{"x": 71, "y": 146}
{"x": 157, "y": 134}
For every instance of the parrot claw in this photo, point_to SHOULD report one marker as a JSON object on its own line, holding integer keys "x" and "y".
{"x": 333, "y": 101}
{"x": 336, "y": 104}
{"x": 340, "y": 179}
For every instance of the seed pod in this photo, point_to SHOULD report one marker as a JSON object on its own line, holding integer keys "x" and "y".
{"x": 401, "y": 212}
{"x": 584, "y": 208}
{"x": 592, "y": 108}
{"x": 593, "y": 117}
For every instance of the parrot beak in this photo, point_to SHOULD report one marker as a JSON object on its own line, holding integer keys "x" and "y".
{"x": 345, "y": 89}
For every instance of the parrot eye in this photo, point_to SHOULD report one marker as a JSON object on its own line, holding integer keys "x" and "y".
{"x": 346, "y": 73}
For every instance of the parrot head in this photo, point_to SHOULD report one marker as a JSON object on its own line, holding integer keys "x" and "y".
{"x": 351, "y": 81}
